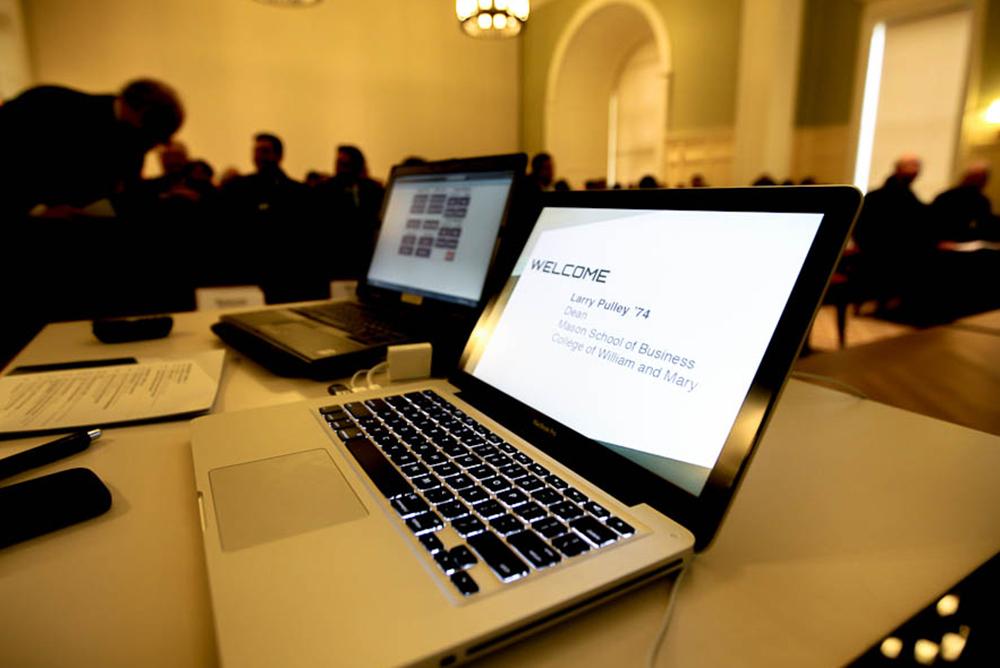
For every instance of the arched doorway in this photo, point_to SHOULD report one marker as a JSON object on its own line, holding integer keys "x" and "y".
{"x": 594, "y": 129}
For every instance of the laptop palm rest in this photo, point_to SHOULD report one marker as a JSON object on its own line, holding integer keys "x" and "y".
{"x": 268, "y": 499}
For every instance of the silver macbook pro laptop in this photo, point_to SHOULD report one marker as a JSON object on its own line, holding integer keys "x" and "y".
{"x": 606, "y": 406}
{"x": 440, "y": 225}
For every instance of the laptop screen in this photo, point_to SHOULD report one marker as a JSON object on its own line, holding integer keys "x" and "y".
{"x": 643, "y": 329}
{"x": 438, "y": 234}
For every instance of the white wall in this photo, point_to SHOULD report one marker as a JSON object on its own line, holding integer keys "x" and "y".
{"x": 921, "y": 98}
{"x": 641, "y": 100}
{"x": 395, "y": 77}
{"x": 600, "y": 40}
{"x": 770, "y": 32}
{"x": 15, "y": 72}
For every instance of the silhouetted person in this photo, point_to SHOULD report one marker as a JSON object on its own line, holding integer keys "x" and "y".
{"x": 199, "y": 177}
{"x": 765, "y": 180}
{"x": 964, "y": 213}
{"x": 64, "y": 148}
{"x": 348, "y": 206}
{"x": 268, "y": 209}
{"x": 542, "y": 174}
{"x": 648, "y": 181}
{"x": 268, "y": 195}
{"x": 562, "y": 185}
{"x": 698, "y": 181}
{"x": 314, "y": 178}
{"x": 413, "y": 160}
{"x": 892, "y": 236}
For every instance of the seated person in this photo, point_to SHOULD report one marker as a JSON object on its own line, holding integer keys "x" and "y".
{"x": 964, "y": 213}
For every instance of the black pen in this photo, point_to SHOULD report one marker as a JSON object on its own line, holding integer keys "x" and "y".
{"x": 47, "y": 452}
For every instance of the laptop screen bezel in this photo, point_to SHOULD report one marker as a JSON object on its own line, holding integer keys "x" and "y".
{"x": 513, "y": 162}
{"x": 630, "y": 483}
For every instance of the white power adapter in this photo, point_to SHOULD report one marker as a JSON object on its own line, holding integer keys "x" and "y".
{"x": 411, "y": 361}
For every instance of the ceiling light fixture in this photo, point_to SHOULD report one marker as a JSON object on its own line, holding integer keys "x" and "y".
{"x": 291, "y": 3}
{"x": 492, "y": 18}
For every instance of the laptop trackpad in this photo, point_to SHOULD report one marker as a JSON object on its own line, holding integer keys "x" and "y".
{"x": 274, "y": 498}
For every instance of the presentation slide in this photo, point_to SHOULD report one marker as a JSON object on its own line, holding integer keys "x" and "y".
{"x": 644, "y": 329}
{"x": 437, "y": 236}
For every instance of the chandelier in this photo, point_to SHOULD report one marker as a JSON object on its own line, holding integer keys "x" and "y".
{"x": 291, "y": 3}
{"x": 492, "y": 18}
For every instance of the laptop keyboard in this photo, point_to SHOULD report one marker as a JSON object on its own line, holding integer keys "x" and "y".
{"x": 439, "y": 467}
{"x": 359, "y": 322}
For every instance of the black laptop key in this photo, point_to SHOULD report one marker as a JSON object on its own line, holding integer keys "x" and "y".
{"x": 357, "y": 409}
{"x": 547, "y": 495}
{"x": 433, "y": 396}
{"x": 431, "y": 542}
{"x": 507, "y": 565}
{"x": 331, "y": 410}
{"x": 426, "y": 482}
{"x": 575, "y": 495}
{"x": 482, "y": 472}
{"x": 396, "y": 401}
{"x": 420, "y": 524}
{"x": 347, "y": 434}
{"x": 424, "y": 448}
{"x": 446, "y": 469}
{"x": 379, "y": 407}
{"x": 514, "y": 471}
{"x": 464, "y": 582}
{"x": 454, "y": 449}
{"x": 536, "y": 550}
{"x": 513, "y": 497}
{"x": 468, "y": 526}
{"x": 550, "y": 527}
{"x": 596, "y": 509}
{"x": 463, "y": 557}
{"x": 489, "y": 508}
{"x": 402, "y": 457}
{"x": 439, "y": 495}
{"x": 556, "y": 481}
{"x": 522, "y": 458}
{"x": 433, "y": 458}
{"x": 499, "y": 460}
{"x": 460, "y": 481}
{"x": 453, "y": 510}
{"x": 468, "y": 461}
{"x": 409, "y": 504}
{"x": 474, "y": 494}
{"x": 414, "y": 470}
{"x": 570, "y": 544}
{"x": 567, "y": 510}
{"x": 484, "y": 450}
{"x": 385, "y": 476}
{"x": 595, "y": 532}
{"x": 506, "y": 524}
{"x": 445, "y": 561}
{"x": 531, "y": 511}
{"x": 341, "y": 423}
{"x": 529, "y": 483}
{"x": 538, "y": 470}
{"x": 620, "y": 525}
{"x": 497, "y": 484}
{"x": 502, "y": 444}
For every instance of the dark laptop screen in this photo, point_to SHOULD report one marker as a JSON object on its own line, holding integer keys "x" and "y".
{"x": 644, "y": 329}
{"x": 438, "y": 234}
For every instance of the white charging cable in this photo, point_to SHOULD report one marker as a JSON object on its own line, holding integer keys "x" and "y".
{"x": 665, "y": 624}
{"x": 411, "y": 361}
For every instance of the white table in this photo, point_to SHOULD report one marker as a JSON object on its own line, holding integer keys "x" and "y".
{"x": 853, "y": 516}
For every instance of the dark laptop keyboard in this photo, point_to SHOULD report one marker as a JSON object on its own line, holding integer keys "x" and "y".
{"x": 361, "y": 323}
{"x": 438, "y": 467}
